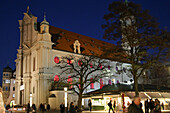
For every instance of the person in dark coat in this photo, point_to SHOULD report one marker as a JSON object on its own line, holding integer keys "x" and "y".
{"x": 41, "y": 106}
{"x": 72, "y": 109}
{"x": 151, "y": 105}
{"x": 110, "y": 106}
{"x": 146, "y": 106}
{"x": 135, "y": 107}
{"x": 28, "y": 107}
{"x": 90, "y": 104}
{"x": 48, "y": 107}
{"x": 33, "y": 108}
{"x": 62, "y": 108}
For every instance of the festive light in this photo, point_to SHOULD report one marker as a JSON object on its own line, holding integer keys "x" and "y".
{"x": 80, "y": 63}
{"x": 56, "y": 60}
{"x": 56, "y": 78}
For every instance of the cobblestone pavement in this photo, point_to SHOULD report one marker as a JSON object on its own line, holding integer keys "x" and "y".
{"x": 54, "y": 111}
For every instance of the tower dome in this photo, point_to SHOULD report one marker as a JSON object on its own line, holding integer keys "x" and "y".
{"x": 44, "y": 21}
{"x": 7, "y": 69}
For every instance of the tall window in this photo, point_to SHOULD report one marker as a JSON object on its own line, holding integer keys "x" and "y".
{"x": 92, "y": 83}
{"x": 70, "y": 82}
{"x": 6, "y": 88}
{"x": 101, "y": 83}
{"x": 34, "y": 64}
{"x": 13, "y": 88}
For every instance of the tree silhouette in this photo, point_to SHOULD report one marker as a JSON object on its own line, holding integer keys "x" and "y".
{"x": 81, "y": 71}
{"x": 137, "y": 36}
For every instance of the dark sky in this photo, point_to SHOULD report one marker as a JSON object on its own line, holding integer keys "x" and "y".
{"x": 81, "y": 16}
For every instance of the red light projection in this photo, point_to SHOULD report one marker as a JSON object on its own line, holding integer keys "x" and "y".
{"x": 69, "y": 81}
{"x": 56, "y": 78}
{"x": 92, "y": 84}
{"x": 56, "y": 60}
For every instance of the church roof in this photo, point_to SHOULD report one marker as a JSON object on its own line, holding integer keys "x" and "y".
{"x": 64, "y": 41}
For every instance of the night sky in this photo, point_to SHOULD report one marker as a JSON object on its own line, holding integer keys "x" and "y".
{"x": 81, "y": 16}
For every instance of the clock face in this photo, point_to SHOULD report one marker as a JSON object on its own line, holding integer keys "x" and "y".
{"x": 56, "y": 60}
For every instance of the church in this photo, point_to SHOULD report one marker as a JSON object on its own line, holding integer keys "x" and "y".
{"x": 41, "y": 46}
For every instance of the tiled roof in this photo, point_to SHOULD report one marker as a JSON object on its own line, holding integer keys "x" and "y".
{"x": 64, "y": 41}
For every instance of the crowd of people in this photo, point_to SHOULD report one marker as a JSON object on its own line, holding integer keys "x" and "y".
{"x": 153, "y": 106}
{"x": 72, "y": 108}
{"x": 42, "y": 107}
{"x": 150, "y": 106}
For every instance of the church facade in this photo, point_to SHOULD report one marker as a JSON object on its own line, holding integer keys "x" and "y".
{"x": 40, "y": 45}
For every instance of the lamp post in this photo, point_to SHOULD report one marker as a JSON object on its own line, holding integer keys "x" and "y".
{"x": 65, "y": 98}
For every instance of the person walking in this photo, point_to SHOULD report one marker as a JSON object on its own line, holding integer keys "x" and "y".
{"x": 110, "y": 106}
{"x": 151, "y": 105}
{"x": 90, "y": 105}
{"x": 28, "y": 107}
{"x": 48, "y": 107}
{"x": 162, "y": 105}
{"x": 146, "y": 106}
{"x": 72, "y": 109}
{"x": 62, "y": 108}
{"x": 135, "y": 107}
{"x": 43, "y": 108}
{"x": 33, "y": 108}
{"x": 157, "y": 108}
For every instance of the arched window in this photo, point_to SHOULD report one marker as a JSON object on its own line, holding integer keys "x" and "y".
{"x": 56, "y": 60}
{"x": 80, "y": 63}
{"x": 91, "y": 65}
{"x": 110, "y": 82}
{"x": 69, "y": 81}
{"x": 69, "y": 62}
{"x": 108, "y": 67}
{"x": 100, "y": 66}
{"x": 101, "y": 83}
{"x": 92, "y": 83}
{"x": 56, "y": 78}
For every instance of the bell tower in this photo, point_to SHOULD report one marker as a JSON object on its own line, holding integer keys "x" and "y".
{"x": 44, "y": 26}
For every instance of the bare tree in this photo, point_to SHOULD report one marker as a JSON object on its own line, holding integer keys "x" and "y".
{"x": 83, "y": 70}
{"x": 138, "y": 37}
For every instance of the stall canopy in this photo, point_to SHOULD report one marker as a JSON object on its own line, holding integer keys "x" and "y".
{"x": 145, "y": 91}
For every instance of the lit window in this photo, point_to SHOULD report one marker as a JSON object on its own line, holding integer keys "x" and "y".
{"x": 14, "y": 81}
{"x": 110, "y": 82}
{"x": 108, "y": 67}
{"x": 7, "y": 81}
{"x": 92, "y": 83}
{"x": 56, "y": 60}
{"x": 113, "y": 81}
{"x": 91, "y": 65}
{"x": 100, "y": 66}
{"x": 56, "y": 78}
{"x": 101, "y": 83}
{"x": 13, "y": 95}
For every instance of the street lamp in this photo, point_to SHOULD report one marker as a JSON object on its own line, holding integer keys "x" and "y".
{"x": 65, "y": 98}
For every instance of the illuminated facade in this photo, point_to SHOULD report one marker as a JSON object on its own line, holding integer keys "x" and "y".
{"x": 8, "y": 85}
{"x": 41, "y": 47}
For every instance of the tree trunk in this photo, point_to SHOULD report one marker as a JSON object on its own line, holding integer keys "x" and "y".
{"x": 136, "y": 85}
{"x": 80, "y": 102}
